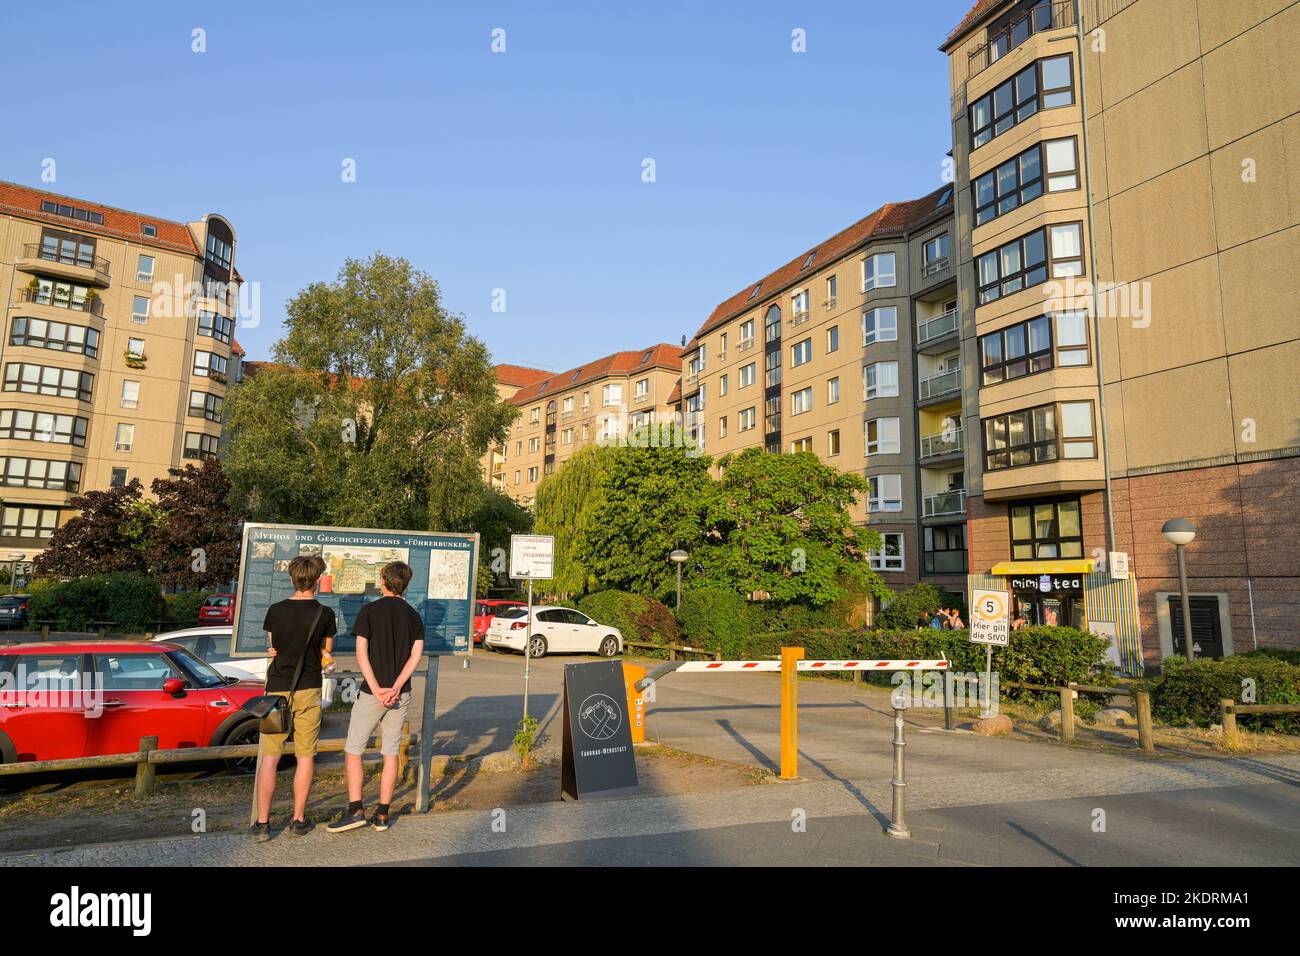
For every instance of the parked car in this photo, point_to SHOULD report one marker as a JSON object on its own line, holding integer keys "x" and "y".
{"x": 556, "y": 630}
{"x": 484, "y": 611}
{"x": 13, "y": 610}
{"x": 217, "y": 609}
{"x": 89, "y": 698}
{"x": 212, "y": 646}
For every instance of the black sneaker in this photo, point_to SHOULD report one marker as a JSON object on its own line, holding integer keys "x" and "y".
{"x": 346, "y": 820}
{"x": 379, "y": 822}
{"x": 260, "y": 832}
{"x": 300, "y": 828}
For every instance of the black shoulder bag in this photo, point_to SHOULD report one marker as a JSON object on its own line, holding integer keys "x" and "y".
{"x": 276, "y": 711}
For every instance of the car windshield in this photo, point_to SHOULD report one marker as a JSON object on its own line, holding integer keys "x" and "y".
{"x": 199, "y": 673}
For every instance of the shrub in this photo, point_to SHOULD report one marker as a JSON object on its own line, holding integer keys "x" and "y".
{"x": 132, "y": 602}
{"x": 716, "y": 619}
{"x": 1289, "y": 654}
{"x": 1188, "y": 692}
{"x": 907, "y": 606}
{"x": 183, "y": 607}
{"x": 639, "y": 618}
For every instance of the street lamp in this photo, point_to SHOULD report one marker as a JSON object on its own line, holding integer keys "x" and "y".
{"x": 678, "y": 557}
{"x": 1179, "y": 532}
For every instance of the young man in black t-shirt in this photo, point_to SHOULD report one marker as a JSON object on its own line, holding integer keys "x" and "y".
{"x": 287, "y": 625}
{"x": 390, "y": 643}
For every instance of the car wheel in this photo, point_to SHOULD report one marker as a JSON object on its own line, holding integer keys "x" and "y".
{"x": 537, "y": 647}
{"x": 246, "y": 733}
{"x": 609, "y": 646}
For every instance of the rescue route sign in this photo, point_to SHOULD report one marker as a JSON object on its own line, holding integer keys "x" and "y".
{"x": 598, "y": 756}
{"x": 990, "y": 617}
{"x": 532, "y": 556}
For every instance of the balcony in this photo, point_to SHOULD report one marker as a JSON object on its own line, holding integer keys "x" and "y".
{"x": 942, "y": 445}
{"x": 641, "y": 398}
{"x": 944, "y": 504}
{"x": 941, "y": 326}
{"x": 692, "y": 378}
{"x": 745, "y": 345}
{"x": 940, "y": 385}
{"x": 63, "y": 299}
{"x": 934, "y": 267}
{"x": 1038, "y": 19}
{"x": 799, "y": 318}
{"x": 37, "y": 259}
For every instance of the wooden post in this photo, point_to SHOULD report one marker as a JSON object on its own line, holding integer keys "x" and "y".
{"x": 404, "y": 752}
{"x": 146, "y": 773}
{"x": 45, "y": 632}
{"x": 790, "y": 712}
{"x": 1067, "y": 714}
{"x": 1228, "y": 719}
{"x": 1145, "y": 741}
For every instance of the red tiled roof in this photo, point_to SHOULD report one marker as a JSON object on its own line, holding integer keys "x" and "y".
{"x": 981, "y": 9}
{"x": 236, "y": 347}
{"x": 520, "y": 375}
{"x": 675, "y": 396}
{"x": 889, "y": 219}
{"x": 620, "y": 363}
{"x": 118, "y": 223}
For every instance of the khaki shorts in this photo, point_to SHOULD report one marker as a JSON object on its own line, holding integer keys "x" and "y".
{"x": 367, "y": 714}
{"x": 306, "y": 724}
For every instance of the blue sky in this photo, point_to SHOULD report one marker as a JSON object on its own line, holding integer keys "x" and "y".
{"x": 519, "y": 170}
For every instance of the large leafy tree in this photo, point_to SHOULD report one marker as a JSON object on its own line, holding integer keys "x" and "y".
{"x": 375, "y": 413}
{"x": 497, "y": 517}
{"x": 780, "y": 524}
{"x": 196, "y": 542}
{"x": 565, "y": 502}
{"x": 111, "y": 533}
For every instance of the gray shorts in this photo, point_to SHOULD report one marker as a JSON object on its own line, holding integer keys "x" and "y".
{"x": 367, "y": 714}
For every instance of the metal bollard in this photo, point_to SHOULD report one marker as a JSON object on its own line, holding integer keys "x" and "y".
{"x": 898, "y": 823}
{"x": 949, "y": 699}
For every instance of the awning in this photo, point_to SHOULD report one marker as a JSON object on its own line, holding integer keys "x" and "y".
{"x": 1060, "y": 566}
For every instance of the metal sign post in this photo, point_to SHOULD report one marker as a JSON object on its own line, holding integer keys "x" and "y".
{"x": 531, "y": 556}
{"x": 990, "y": 624}
{"x": 528, "y": 642}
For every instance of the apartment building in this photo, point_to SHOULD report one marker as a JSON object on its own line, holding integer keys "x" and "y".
{"x": 510, "y": 379}
{"x": 118, "y": 348}
{"x": 602, "y": 400}
{"x": 851, "y": 351}
{"x": 1127, "y": 204}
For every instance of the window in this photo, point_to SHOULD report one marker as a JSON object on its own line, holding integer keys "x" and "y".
{"x": 534, "y": 445}
{"x": 209, "y": 365}
{"x": 219, "y": 252}
{"x": 198, "y": 445}
{"x": 1016, "y": 351}
{"x": 801, "y": 444}
{"x": 216, "y": 326}
{"x": 833, "y": 442}
{"x": 1020, "y": 179}
{"x": 831, "y": 286}
{"x": 567, "y": 405}
{"x": 722, "y": 345}
{"x": 72, "y": 212}
{"x": 801, "y": 401}
{"x": 131, "y": 394}
{"x": 135, "y": 348}
{"x": 722, "y": 427}
{"x": 612, "y": 394}
{"x": 118, "y": 478}
{"x": 1041, "y": 85}
{"x": 1031, "y": 436}
{"x": 1025, "y": 262}
{"x": 884, "y": 493}
{"x": 772, "y": 420}
{"x": 39, "y": 473}
{"x": 642, "y": 388}
{"x": 48, "y": 380}
{"x": 772, "y": 368}
{"x": 748, "y": 418}
{"x": 1071, "y": 337}
{"x": 144, "y": 268}
{"x": 748, "y": 373}
{"x": 879, "y": 380}
{"x": 532, "y": 473}
{"x": 68, "y": 248}
{"x": 747, "y": 331}
{"x": 516, "y": 476}
{"x": 1076, "y": 430}
{"x": 139, "y": 309}
{"x": 56, "y": 336}
{"x": 27, "y": 521}
{"x": 799, "y": 302}
{"x": 203, "y": 405}
{"x": 882, "y": 436}
{"x": 880, "y": 325}
{"x": 934, "y": 255}
{"x": 878, "y": 271}
{"x": 945, "y": 549}
{"x": 833, "y": 339}
{"x": 149, "y": 230}
{"x": 722, "y": 386}
{"x": 772, "y": 323}
{"x": 753, "y": 293}
{"x": 586, "y": 400}
{"x": 535, "y": 415}
{"x": 566, "y": 437}
{"x": 124, "y": 440}
{"x": 890, "y": 555}
{"x": 1062, "y": 161}
{"x": 833, "y": 391}
{"x": 801, "y": 353}
{"x": 1046, "y": 529}
{"x": 43, "y": 426}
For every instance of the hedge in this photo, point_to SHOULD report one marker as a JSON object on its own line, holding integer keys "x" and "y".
{"x": 1189, "y": 692}
{"x": 133, "y": 602}
{"x": 639, "y": 618}
{"x": 183, "y": 607}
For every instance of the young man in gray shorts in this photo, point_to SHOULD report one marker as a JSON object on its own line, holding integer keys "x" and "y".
{"x": 390, "y": 643}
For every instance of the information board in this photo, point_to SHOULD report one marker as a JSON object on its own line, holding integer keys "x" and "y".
{"x": 442, "y": 587}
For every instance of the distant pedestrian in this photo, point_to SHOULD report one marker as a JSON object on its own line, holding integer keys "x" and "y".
{"x": 956, "y": 621}
{"x": 937, "y": 621}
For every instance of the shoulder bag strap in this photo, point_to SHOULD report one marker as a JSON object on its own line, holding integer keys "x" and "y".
{"x": 297, "y": 673}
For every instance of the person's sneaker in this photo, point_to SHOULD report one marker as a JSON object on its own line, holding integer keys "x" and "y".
{"x": 379, "y": 822}
{"x": 300, "y": 827}
{"x": 347, "y": 819}
{"x": 260, "y": 832}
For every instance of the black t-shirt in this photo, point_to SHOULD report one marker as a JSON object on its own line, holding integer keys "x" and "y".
{"x": 391, "y": 627}
{"x": 288, "y": 621}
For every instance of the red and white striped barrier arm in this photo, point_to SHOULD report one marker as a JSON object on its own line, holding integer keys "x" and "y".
{"x": 873, "y": 665}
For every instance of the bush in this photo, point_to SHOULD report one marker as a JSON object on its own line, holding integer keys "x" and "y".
{"x": 183, "y": 608}
{"x": 908, "y": 606}
{"x": 132, "y": 602}
{"x": 1189, "y": 692}
{"x": 718, "y": 620}
{"x": 639, "y": 618}
{"x": 1289, "y": 654}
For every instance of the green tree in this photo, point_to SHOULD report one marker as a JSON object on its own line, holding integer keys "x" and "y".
{"x": 376, "y": 412}
{"x": 497, "y": 517}
{"x": 565, "y": 501}
{"x": 196, "y": 542}
{"x": 780, "y": 524}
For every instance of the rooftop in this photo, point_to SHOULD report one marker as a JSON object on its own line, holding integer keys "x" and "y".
{"x": 620, "y": 363}
{"x": 25, "y": 201}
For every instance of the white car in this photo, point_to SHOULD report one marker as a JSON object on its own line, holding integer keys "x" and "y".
{"x": 212, "y": 645}
{"x": 556, "y": 630}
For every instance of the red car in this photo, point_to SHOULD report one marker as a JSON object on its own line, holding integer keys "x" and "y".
{"x": 89, "y": 698}
{"x": 484, "y": 611}
{"x": 218, "y": 609}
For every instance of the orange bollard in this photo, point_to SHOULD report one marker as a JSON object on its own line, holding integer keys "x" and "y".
{"x": 790, "y": 712}
{"x": 635, "y": 701}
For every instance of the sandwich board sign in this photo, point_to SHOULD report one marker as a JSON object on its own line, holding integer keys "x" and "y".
{"x": 598, "y": 757}
{"x": 990, "y": 621}
{"x": 532, "y": 556}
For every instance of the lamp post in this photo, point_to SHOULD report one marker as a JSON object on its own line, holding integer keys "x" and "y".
{"x": 1179, "y": 532}
{"x": 678, "y": 557}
